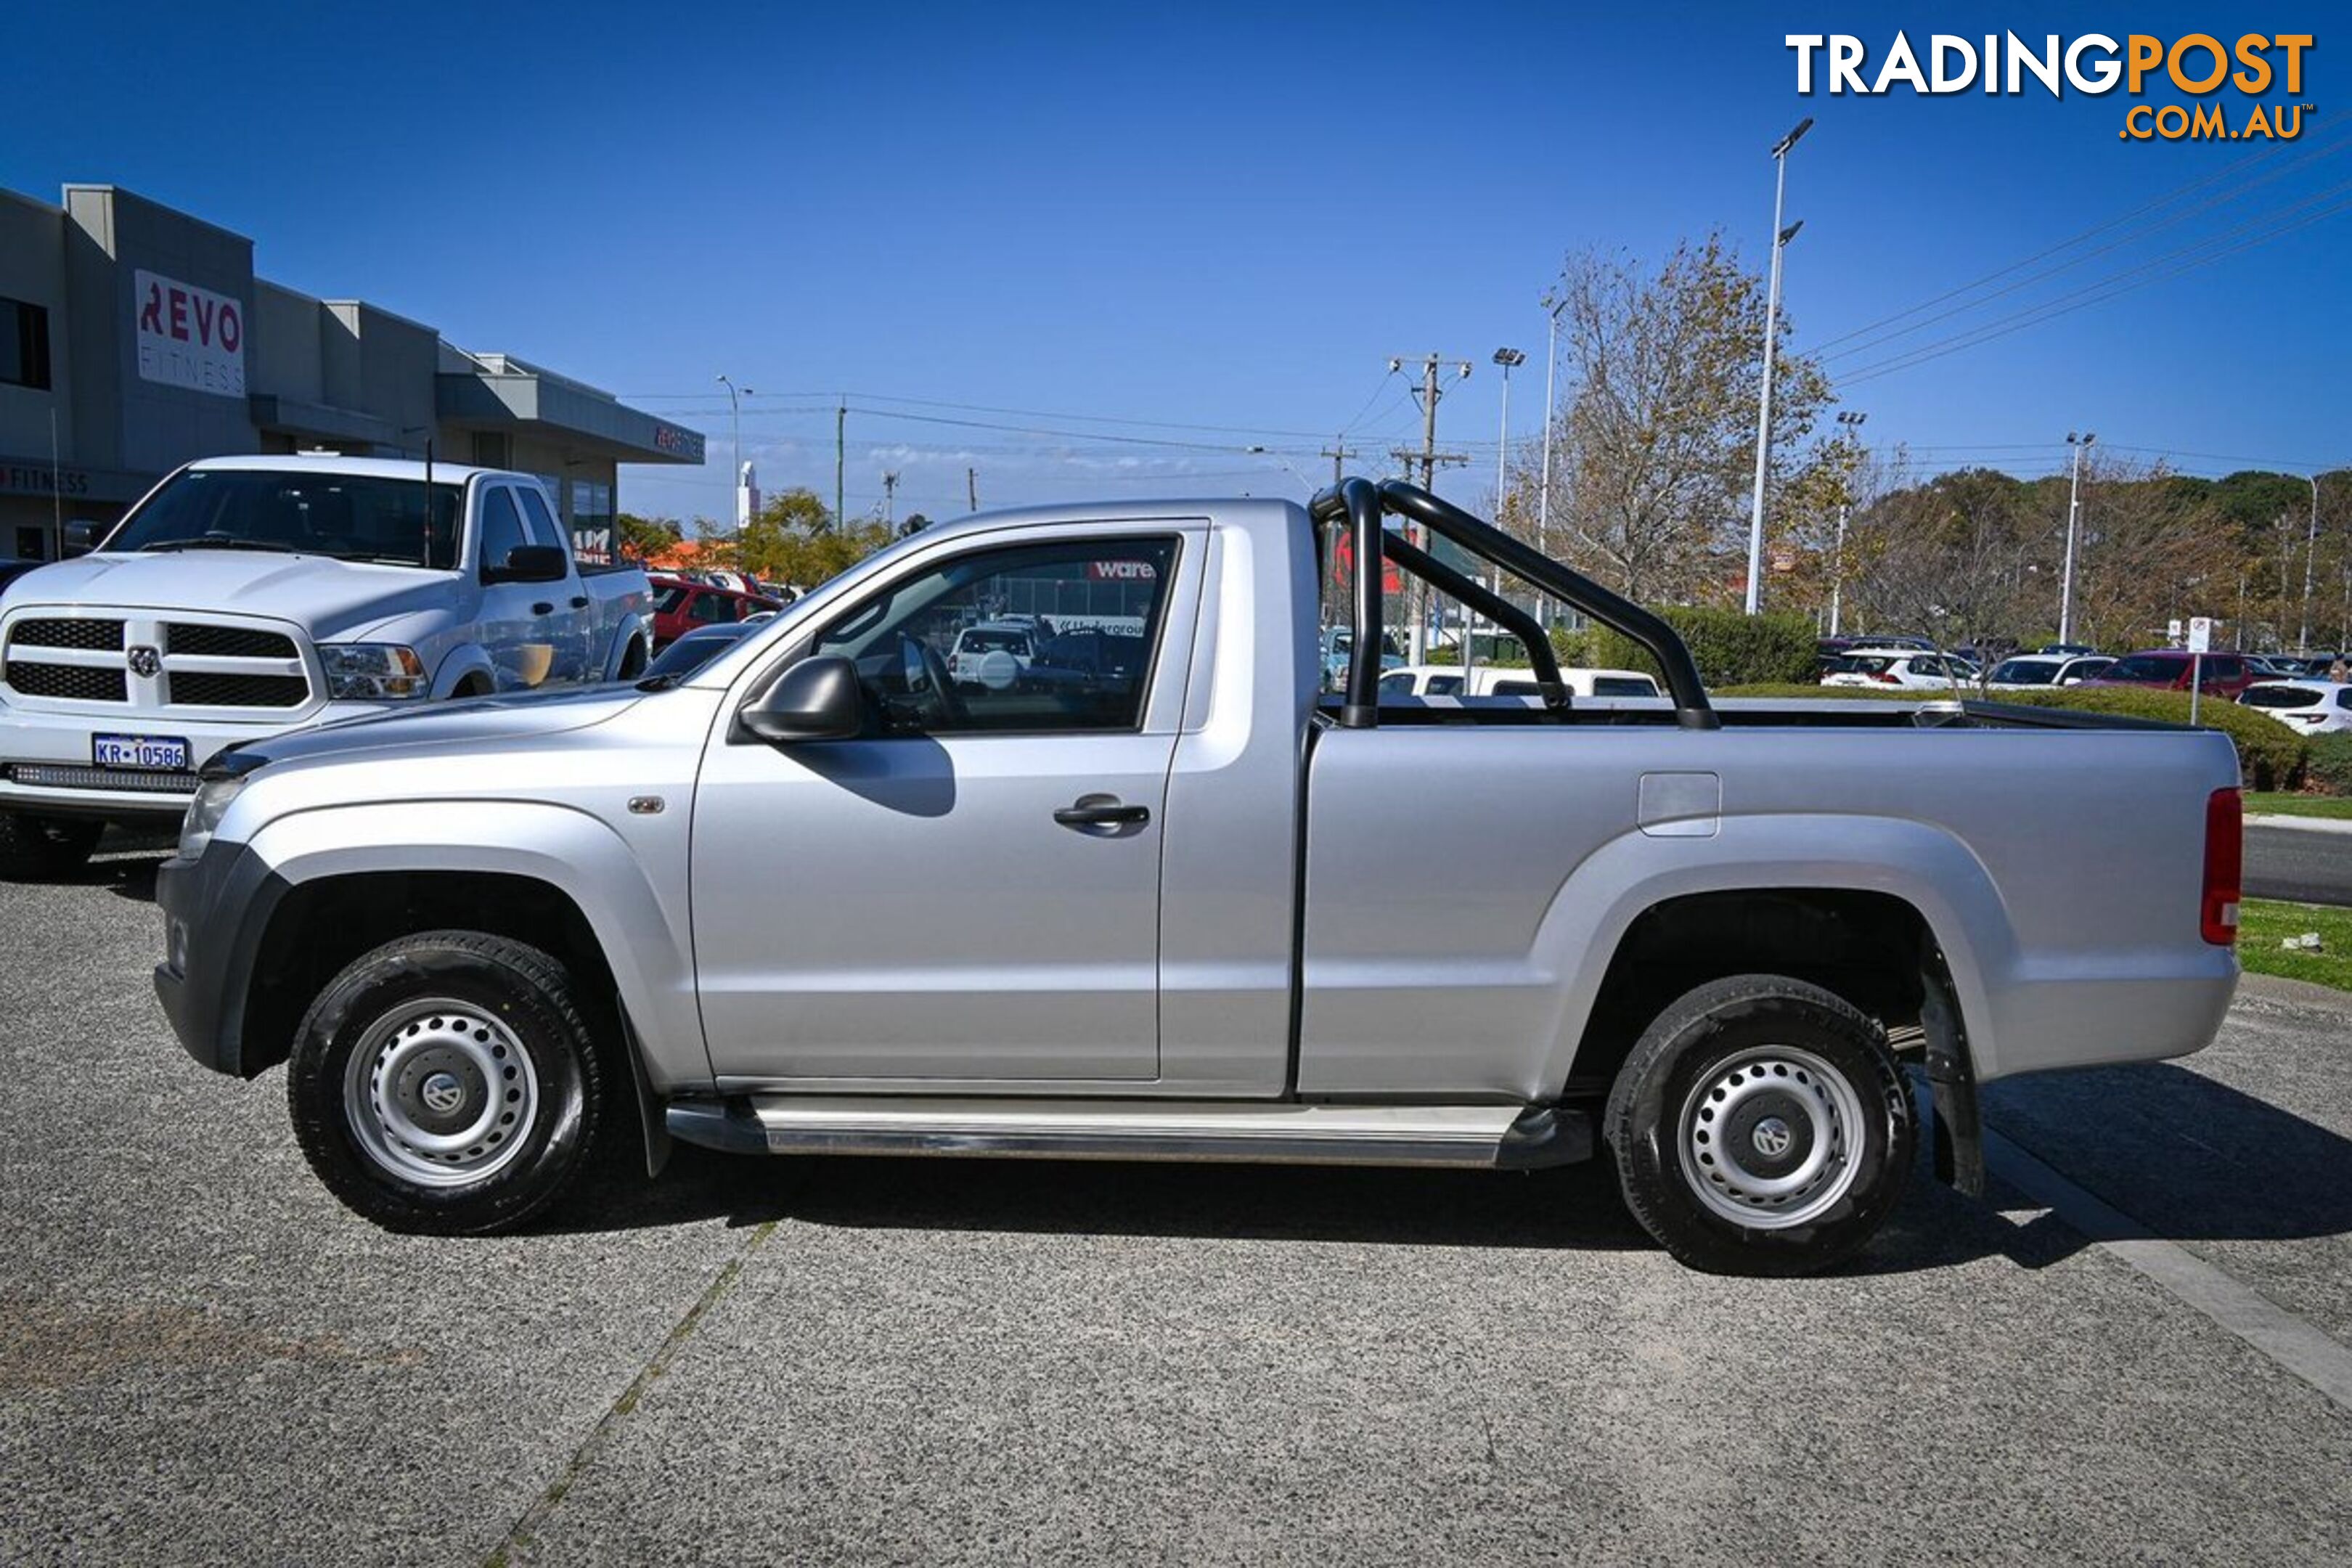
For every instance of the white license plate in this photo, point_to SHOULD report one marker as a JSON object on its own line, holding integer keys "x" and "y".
{"x": 153, "y": 753}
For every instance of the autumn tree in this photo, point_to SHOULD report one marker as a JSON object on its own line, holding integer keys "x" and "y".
{"x": 1653, "y": 449}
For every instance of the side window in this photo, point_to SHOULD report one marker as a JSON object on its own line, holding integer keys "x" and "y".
{"x": 1444, "y": 686}
{"x": 2343, "y": 697}
{"x": 1037, "y": 638}
{"x": 710, "y": 609}
{"x": 539, "y": 522}
{"x": 1931, "y": 668}
{"x": 502, "y": 525}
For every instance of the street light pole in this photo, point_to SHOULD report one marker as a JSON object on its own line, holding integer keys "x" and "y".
{"x": 1507, "y": 358}
{"x": 735, "y": 414}
{"x": 2081, "y": 444}
{"x": 1543, "y": 489}
{"x": 1780, "y": 238}
{"x": 2310, "y": 551}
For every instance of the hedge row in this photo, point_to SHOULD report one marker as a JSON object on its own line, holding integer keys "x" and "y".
{"x": 1729, "y": 649}
{"x": 2271, "y": 755}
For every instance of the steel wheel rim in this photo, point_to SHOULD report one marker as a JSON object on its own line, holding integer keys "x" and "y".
{"x": 440, "y": 1094}
{"x": 1770, "y": 1137}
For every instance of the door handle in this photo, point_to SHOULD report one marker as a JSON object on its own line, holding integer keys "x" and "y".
{"x": 580, "y": 602}
{"x": 544, "y": 607}
{"x": 1102, "y": 811}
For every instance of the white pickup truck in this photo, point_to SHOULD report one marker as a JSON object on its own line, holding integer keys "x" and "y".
{"x": 247, "y": 596}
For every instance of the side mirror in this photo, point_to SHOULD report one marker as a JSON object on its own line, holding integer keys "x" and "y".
{"x": 529, "y": 563}
{"x": 81, "y": 537}
{"x": 818, "y": 699}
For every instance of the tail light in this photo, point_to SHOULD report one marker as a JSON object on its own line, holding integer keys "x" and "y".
{"x": 2225, "y": 858}
{"x": 1887, "y": 680}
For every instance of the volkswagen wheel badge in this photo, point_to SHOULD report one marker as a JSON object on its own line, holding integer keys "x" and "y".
{"x": 442, "y": 1093}
{"x": 145, "y": 661}
{"x": 1772, "y": 1137}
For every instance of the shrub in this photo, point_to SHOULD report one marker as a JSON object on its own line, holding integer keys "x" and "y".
{"x": 2330, "y": 764}
{"x": 1730, "y": 648}
{"x": 2269, "y": 756}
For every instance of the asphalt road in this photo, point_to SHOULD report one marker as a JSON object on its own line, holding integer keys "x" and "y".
{"x": 2310, "y": 866}
{"x": 203, "y": 1358}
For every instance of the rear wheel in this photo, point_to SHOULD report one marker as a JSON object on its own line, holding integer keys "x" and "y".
{"x": 1761, "y": 1126}
{"x": 449, "y": 1083}
{"x": 39, "y": 848}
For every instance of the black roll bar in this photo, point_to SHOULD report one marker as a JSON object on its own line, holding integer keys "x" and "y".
{"x": 1491, "y": 544}
{"x": 1501, "y": 611}
{"x": 1359, "y": 505}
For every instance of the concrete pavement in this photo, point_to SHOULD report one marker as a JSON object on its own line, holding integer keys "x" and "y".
{"x": 202, "y": 1358}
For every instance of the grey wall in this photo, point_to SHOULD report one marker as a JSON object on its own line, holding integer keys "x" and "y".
{"x": 32, "y": 268}
{"x": 139, "y": 424}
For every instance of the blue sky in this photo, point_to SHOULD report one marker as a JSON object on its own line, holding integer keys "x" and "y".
{"x": 1201, "y": 214}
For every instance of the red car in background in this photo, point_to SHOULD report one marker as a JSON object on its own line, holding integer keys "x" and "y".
{"x": 680, "y": 606}
{"x": 2167, "y": 670}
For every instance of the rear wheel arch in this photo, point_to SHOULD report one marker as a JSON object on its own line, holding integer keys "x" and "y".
{"x": 1874, "y": 951}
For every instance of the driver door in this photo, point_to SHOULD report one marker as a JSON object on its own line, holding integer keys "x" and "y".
{"x": 969, "y": 892}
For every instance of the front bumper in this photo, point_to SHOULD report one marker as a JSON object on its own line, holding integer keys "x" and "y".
{"x": 217, "y": 910}
{"x": 54, "y": 744}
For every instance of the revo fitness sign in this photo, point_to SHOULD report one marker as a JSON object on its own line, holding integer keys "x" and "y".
{"x": 189, "y": 337}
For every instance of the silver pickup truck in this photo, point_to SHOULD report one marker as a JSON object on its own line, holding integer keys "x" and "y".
{"x": 1150, "y": 894}
{"x": 247, "y": 596}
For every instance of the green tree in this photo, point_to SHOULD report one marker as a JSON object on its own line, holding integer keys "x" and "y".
{"x": 643, "y": 536}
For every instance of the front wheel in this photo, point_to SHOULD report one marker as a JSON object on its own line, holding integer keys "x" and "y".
{"x": 43, "y": 849}
{"x": 1761, "y": 1127}
{"x": 447, "y": 1083}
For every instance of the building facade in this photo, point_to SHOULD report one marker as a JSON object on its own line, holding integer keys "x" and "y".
{"x": 135, "y": 338}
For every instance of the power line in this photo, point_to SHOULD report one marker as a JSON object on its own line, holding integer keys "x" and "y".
{"x": 2112, "y": 286}
{"x": 2094, "y": 231}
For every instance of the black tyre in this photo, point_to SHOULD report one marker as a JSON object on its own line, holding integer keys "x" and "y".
{"x": 448, "y": 1083}
{"x": 41, "y": 848}
{"x": 1761, "y": 1127}
{"x": 632, "y": 661}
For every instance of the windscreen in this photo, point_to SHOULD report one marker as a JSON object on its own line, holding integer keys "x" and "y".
{"x": 2279, "y": 697}
{"x": 2143, "y": 666}
{"x": 295, "y": 511}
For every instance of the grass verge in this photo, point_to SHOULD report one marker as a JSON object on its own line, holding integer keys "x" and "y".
{"x": 2273, "y": 802}
{"x": 2263, "y": 923}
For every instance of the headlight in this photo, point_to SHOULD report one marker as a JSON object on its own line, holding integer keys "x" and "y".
{"x": 204, "y": 813}
{"x": 371, "y": 671}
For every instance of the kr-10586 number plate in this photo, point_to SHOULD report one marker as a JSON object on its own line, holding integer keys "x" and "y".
{"x": 150, "y": 754}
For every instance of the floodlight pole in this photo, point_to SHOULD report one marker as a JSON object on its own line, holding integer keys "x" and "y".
{"x": 2081, "y": 444}
{"x": 1780, "y": 237}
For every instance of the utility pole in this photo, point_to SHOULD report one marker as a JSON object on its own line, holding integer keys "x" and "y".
{"x": 2081, "y": 444}
{"x": 1429, "y": 457}
{"x": 1338, "y": 451}
{"x": 735, "y": 413}
{"x": 1780, "y": 238}
{"x": 972, "y": 487}
{"x": 1543, "y": 489}
{"x": 889, "y": 497}
{"x": 840, "y": 457}
{"x": 2310, "y": 551}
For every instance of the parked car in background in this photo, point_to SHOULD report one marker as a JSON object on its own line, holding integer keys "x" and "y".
{"x": 2041, "y": 671}
{"x": 1424, "y": 681}
{"x": 2308, "y": 706}
{"x": 700, "y": 646}
{"x": 1012, "y": 639}
{"x": 2277, "y": 666}
{"x": 247, "y": 596}
{"x": 1337, "y": 643}
{"x": 680, "y": 605}
{"x": 2167, "y": 668}
{"x": 1901, "y": 670}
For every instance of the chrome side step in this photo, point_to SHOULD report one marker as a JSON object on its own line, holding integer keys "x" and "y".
{"x": 1511, "y": 1137}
